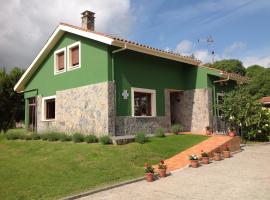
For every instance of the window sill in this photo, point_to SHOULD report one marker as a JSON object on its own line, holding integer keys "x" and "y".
{"x": 48, "y": 120}
{"x": 144, "y": 116}
{"x": 73, "y": 67}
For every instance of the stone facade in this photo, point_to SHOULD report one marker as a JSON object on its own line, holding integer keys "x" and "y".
{"x": 126, "y": 125}
{"x": 86, "y": 109}
{"x": 196, "y": 109}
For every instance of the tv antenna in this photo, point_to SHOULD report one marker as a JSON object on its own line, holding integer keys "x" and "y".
{"x": 209, "y": 41}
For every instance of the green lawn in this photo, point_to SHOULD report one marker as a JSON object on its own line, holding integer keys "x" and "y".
{"x": 50, "y": 170}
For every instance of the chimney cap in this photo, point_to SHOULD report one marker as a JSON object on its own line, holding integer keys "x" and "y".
{"x": 87, "y": 13}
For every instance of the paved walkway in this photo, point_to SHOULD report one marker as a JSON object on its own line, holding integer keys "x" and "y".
{"x": 245, "y": 176}
{"x": 181, "y": 160}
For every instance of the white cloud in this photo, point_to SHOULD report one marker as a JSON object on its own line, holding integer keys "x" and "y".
{"x": 184, "y": 47}
{"x": 234, "y": 48}
{"x": 254, "y": 60}
{"x": 26, "y": 25}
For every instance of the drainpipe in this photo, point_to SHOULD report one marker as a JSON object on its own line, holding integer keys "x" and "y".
{"x": 214, "y": 88}
{"x": 113, "y": 79}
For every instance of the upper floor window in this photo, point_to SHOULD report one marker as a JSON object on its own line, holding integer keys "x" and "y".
{"x": 143, "y": 102}
{"x": 74, "y": 55}
{"x": 60, "y": 61}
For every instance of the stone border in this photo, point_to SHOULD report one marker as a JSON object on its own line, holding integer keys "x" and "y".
{"x": 90, "y": 192}
{"x": 257, "y": 144}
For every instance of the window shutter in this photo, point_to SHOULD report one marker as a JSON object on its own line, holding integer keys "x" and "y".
{"x": 60, "y": 61}
{"x": 75, "y": 56}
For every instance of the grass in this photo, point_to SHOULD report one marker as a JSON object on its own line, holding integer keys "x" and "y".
{"x": 37, "y": 169}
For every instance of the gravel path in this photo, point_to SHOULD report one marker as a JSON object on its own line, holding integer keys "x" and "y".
{"x": 244, "y": 176}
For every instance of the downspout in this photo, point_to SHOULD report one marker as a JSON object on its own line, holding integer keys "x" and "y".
{"x": 215, "y": 100}
{"x": 113, "y": 79}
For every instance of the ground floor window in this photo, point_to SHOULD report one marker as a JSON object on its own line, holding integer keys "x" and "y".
{"x": 143, "y": 102}
{"x": 48, "y": 108}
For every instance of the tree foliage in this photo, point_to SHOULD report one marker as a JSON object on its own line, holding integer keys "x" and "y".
{"x": 243, "y": 111}
{"x": 253, "y": 70}
{"x": 11, "y": 103}
{"x": 231, "y": 65}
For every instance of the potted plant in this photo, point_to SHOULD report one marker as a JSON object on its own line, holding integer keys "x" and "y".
{"x": 194, "y": 161}
{"x": 149, "y": 172}
{"x": 231, "y": 132}
{"x": 226, "y": 152}
{"x": 205, "y": 157}
{"x": 208, "y": 130}
{"x": 217, "y": 155}
{"x": 162, "y": 169}
{"x": 176, "y": 128}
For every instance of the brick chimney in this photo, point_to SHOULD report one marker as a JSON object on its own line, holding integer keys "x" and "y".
{"x": 88, "y": 20}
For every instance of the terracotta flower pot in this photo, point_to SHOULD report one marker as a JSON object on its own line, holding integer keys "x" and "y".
{"x": 226, "y": 154}
{"x": 231, "y": 134}
{"x": 207, "y": 132}
{"x": 162, "y": 172}
{"x": 217, "y": 156}
{"x": 205, "y": 160}
{"x": 194, "y": 163}
{"x": 149, "y": 177}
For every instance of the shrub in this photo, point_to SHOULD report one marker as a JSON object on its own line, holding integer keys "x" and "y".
{"x": 159, "y": 132}
{"x": 176, "y": 128}
{"x": 77, "y": 137}
{"x": 105, "y": 139}
{"x": 65, "y": 137}
{"x": 35, "y": 136}
{"x": 148, "y": 168}
{"x": 28, "y": 137}
{"x": 141, "y": 138}
{"x": 44, "y": 136}
{"x": 54, "y": 136}
{"x": 13, "y": 136}
{"x": 91, "y": 139}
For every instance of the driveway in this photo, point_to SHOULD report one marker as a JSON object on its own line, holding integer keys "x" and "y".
{"x": 244, "y": 176}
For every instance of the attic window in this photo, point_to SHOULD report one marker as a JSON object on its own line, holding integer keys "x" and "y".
{"x": 60, "y": 61}
{"x": 74, "y": 56}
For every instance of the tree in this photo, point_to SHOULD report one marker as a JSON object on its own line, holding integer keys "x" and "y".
{"x": 253, "y": 70}
{"x": 231, "y": 65}
{"x": 243, "y": 111}
{"x": 11, "y": 103}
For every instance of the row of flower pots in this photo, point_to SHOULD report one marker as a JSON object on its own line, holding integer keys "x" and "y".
{"x": 194, "y": 159}
{"x": 149, "y": 171}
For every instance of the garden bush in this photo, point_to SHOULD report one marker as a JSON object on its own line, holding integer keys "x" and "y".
{"x": 77, "y": 137}
{"x": 65, "y": 137}
{"x": 35, "y": 136}
{"x": 13, "y": 135}
{"x": 91, "y": 139}
{"x": 105, "y": 139}
{"x": 176, "y": 128}
{"x": 44, "y": 136}
{"x": 141, "y": 138}
{"x": 160, "y": 132}
{"x": 54, "y": 136}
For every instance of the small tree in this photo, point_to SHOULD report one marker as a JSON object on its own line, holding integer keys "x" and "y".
{"x": 243, "y": 111}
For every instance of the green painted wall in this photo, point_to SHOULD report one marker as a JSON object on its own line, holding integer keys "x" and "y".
{"x": 95, "y": 61}
{"x": 133, "y": 69}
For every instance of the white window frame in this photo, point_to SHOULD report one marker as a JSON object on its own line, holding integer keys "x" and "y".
{"x": 43, "y": 104}
{"x": 69, "y": 47}
{"x": 222, "y": 95}
{"x": 153, "y": 101}
{"x": 56, "y": 71}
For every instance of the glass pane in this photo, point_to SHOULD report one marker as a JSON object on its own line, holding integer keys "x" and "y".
{"x": 50, "y": 109}
{"x": 142, "y": 104}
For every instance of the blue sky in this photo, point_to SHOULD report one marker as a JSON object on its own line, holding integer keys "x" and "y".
{"x": 240, "y": 28}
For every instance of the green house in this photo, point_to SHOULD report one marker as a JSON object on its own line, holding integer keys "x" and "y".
{"x": 89, "y": 82}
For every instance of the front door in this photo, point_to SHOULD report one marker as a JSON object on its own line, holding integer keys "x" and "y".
{"x": 175, "y": 106}
{"x": 32, "y": 114}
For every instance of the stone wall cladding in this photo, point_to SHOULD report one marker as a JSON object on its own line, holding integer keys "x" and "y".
{"x": 196, "y": 109}
{"x": 126, "y": 125}
{"x": 87, "y": 109}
